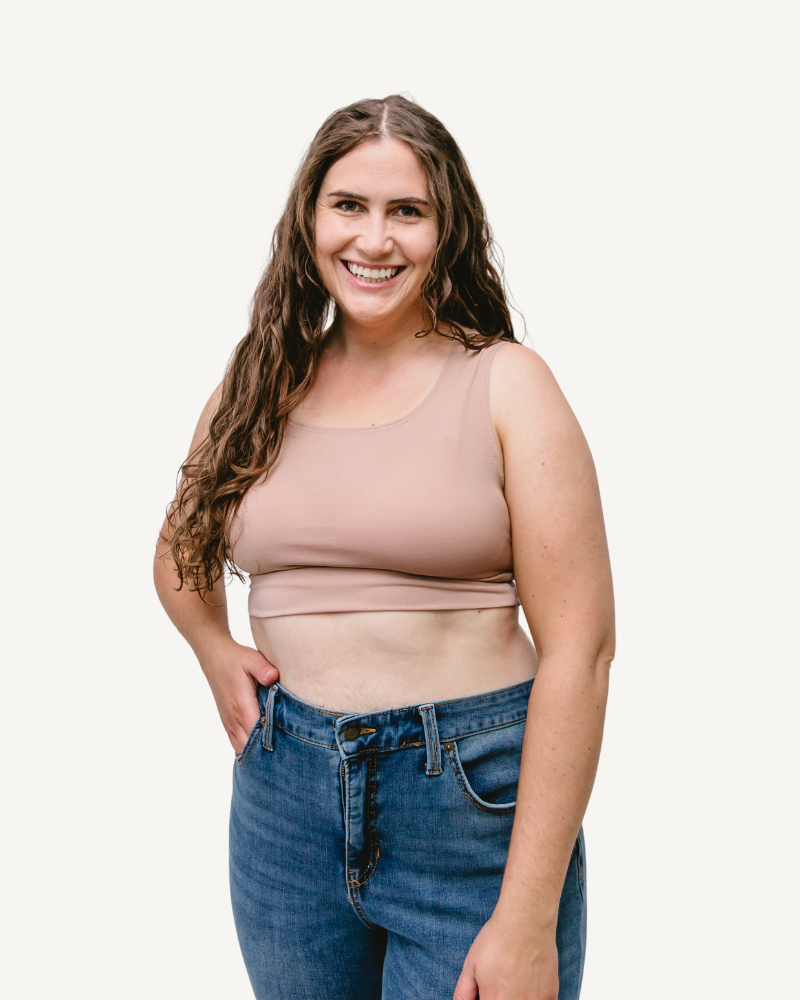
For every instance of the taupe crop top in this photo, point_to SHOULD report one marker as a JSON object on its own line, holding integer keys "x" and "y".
{"x": 408, "y": 515}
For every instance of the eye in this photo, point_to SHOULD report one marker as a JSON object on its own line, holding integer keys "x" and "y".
{"x": 348, "y": 206}
{"x": 408, "y": 211}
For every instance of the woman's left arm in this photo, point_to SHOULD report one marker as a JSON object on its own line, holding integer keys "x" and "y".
{"x": 563, "y": 578}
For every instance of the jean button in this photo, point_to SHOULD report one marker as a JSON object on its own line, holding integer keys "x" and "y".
{"x": 351, "y": 733}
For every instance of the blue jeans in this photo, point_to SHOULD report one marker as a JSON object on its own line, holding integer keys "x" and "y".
{"x": 367, "y": 850}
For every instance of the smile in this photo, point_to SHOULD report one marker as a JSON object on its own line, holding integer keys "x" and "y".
{"x": 372, "y": 275}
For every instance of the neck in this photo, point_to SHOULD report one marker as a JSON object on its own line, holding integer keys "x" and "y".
{"x": 350, "y": 337}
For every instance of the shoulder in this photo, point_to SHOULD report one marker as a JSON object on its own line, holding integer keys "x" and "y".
{"x": 515, "y": 365}
{"x": 521, "y": 384}
{"x": 206, "y": 416}
{"x": 529, "y": 411}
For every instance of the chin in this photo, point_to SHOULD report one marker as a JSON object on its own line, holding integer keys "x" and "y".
{"x": 368, "y": 316}
{"x": 368, "y": 312}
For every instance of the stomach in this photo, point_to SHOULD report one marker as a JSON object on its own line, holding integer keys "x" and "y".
{"x": 369, "y": 661}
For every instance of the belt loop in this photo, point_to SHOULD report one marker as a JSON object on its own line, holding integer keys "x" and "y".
{"x": 269, "y": 711}
{"x": 434, "y": 762}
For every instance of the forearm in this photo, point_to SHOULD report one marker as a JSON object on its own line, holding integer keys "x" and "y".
{"x": 203, "y": 622}
{"x": 559, "y": 761}
{"x": 233, "y": 671}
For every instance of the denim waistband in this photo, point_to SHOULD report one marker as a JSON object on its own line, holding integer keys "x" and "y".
{"x": 395, "y": 728}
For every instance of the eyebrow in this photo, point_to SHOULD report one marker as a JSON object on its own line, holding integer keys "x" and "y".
{"x": 392, "y": 201}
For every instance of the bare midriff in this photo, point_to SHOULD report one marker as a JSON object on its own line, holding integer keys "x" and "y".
{"x": 369, "y": 661}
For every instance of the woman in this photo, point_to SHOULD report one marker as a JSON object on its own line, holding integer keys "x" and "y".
{"x": 396, "y": 483}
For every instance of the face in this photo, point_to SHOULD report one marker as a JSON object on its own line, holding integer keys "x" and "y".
{"x": 375, "y": 232}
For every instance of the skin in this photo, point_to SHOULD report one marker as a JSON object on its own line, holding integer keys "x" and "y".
{"x": 373, "y": 370}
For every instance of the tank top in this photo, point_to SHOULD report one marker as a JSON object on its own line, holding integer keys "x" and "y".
{"x": 403, "y": 516}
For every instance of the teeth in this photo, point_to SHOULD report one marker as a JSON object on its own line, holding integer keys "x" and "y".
{"x": 371, "y": 274}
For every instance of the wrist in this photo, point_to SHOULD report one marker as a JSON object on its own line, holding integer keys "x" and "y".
{"x": 215, "y": 648}
{"x": 524, "y": 917}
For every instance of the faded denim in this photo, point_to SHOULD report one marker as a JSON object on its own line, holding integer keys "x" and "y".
{"x": 367, "y": 850}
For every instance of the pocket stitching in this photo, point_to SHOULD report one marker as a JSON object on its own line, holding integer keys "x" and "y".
{"x": 497, "y": 809}
{"x": 251, "y": 742}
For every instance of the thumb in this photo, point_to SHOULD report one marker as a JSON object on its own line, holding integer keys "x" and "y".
{"x": 263, "y": 671}
{"x": 466, "y": 987}
{"x": 268, "y": 674}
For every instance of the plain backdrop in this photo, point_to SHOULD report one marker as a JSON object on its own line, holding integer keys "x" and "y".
{"x": 639, "y": 163}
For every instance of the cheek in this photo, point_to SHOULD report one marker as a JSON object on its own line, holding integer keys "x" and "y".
{"x": 320, "y": 250}
{"x": 327, "y": 240}
{"x": 326, "y": 267}
{"x": 421, "y": 249}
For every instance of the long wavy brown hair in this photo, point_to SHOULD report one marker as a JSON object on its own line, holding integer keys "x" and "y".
{"x": 273, "y": 366}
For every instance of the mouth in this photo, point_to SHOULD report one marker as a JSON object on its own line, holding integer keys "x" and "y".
{"x": 372, "y": 275}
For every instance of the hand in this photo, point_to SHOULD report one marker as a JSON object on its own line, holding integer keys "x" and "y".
{"x": 234, "y": 672}
{"x": 509, "y": 963}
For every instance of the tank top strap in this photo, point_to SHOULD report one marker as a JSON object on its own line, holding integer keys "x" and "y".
{"x": 485, "y": 358}
{"x": 466, "y": 374}
{"x": 460, "y": 402}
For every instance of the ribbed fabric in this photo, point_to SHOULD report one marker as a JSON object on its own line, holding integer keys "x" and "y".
{"x": 405, "y": 516}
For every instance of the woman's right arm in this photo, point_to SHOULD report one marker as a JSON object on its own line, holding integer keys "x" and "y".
{"x": 233, "y": 671}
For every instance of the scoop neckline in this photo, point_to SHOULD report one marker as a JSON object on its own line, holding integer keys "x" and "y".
{"x": 392, "y": 423}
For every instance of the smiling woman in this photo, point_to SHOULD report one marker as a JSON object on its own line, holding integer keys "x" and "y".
{"x": 375, "y": 231}
{"x": 407, "y": 802}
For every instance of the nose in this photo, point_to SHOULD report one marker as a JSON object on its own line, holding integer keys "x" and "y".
{"x": 375, "y": 238}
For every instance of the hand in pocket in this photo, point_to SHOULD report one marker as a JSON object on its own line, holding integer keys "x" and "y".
{"x": 234, "y": 672}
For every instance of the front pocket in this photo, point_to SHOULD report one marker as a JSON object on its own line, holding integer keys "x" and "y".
{"x": 486, "y": 766}
{"x": 251, "y": 739}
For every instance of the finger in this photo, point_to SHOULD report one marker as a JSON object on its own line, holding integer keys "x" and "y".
{"x": 466, "y": 987}
{"x": 238, "y": 742}
{"x": 270, "y": 675}
{"x": 239, "y": 731}
{"x": 264, "y": 672}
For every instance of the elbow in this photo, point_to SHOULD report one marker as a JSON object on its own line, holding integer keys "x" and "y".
{"x": 604, "y": 656}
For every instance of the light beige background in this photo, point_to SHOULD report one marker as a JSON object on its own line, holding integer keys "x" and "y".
{"x": 639, "y": 163}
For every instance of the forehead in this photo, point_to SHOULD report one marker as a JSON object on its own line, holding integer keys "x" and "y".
{"x": 378, "y": 168}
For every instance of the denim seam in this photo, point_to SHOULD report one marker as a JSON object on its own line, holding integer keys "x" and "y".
{"x": 444, "y": 705}
{"x": 509, "y": 807}
{"x": 346, "y": 775}
{"x": 368, "y": 750}
{"x": 475, "y": 697}
{"x": 306, "y": 739}
{"x": 251, "y": 742}
{"x": 269, "y": 715}
{"x": 355, "y": 899}
{"x": 581, "y": 867}
{"x": 487, "y": 729}
{"x": 398, "y": 746}
{"x": 374, "y": 847}
{"x": 433, "y": 764}
{"x": 335, "y": 746}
